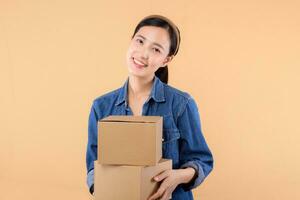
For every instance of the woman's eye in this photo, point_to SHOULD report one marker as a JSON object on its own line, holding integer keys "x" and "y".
{"x": 139, "y": 41}
{"x": 156, "y": 50}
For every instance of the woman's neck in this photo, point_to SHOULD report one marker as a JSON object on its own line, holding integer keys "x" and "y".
{"x": 140, "y": 87}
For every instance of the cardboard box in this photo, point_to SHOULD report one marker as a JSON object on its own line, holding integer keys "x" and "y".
{"x": 115, "y": 182}
{"x": 130, "y": 140}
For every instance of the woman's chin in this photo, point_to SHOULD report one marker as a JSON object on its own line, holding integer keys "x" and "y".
{"x": 135, "y": 72}
{"x": 136, "y": 75}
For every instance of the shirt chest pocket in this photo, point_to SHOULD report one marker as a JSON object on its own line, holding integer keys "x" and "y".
{"x": 170, "y": 144}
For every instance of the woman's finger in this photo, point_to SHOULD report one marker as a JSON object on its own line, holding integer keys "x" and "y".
{"x": 162, "y": 175}
{"x": 161, "y": 190}
{"x": 166, "y": 195}
{"x": 158, "y": 194}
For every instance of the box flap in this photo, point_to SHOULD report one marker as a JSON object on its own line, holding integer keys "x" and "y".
{"x": 131, "y": 118}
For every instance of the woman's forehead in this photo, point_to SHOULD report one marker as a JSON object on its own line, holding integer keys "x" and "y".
{"x": 155, "y": 34}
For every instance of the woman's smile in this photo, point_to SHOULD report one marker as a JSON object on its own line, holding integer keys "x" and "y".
{"x": 138, "y": 63}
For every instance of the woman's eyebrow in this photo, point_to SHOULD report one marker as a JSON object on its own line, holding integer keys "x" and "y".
{"x": 155, "y": 43}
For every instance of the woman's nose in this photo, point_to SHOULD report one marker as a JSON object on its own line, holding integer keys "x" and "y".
{"x": 144, "y": 53}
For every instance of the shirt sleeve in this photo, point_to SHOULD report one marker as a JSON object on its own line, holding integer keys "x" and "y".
{"x": 91, "y": 153}
{"x": 90, "y": 181}
{"x": 194, "y": 151}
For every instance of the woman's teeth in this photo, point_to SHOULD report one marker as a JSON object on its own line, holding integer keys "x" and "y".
{"x": 139, "y": 63}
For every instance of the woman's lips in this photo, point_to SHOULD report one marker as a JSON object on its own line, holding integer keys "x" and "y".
{"x": 138, "y": 63}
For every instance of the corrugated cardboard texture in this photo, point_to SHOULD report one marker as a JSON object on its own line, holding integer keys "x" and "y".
{"x": 131, "y": 118}
{"x": 132, "y": 141}
{"x": 148, "y": 185}
{"x": 114, "y": 182}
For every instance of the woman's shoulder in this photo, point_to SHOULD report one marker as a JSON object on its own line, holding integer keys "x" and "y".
{"x": 180, "y": 99}
{"x": 106, "y": 97}
{"x": 176, "y": 92}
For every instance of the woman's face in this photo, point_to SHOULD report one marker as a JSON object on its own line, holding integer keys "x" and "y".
{"x": 148, "y": 51}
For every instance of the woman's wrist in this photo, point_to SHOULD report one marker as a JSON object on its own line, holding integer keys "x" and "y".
{"x": 186, "y": 174}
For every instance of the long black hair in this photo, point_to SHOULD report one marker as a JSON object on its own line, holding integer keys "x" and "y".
{"x": 162, "y": 22}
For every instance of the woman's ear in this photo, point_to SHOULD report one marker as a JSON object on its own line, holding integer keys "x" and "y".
{"x": 167, "y": 60}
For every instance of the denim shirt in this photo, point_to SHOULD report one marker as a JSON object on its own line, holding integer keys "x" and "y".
{"x": 183, "y": 141}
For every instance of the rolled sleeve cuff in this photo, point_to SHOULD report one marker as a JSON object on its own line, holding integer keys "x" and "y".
{"x": 198, "y": 177}
{"x": 90, "y": 180}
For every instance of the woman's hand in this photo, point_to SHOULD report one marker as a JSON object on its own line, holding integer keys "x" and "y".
{"x": 170, "y": 179}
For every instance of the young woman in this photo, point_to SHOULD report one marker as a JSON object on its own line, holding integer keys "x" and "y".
{"x": 154, "y": 43}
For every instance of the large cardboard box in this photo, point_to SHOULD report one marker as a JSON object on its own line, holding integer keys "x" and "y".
{"x": 130, "y": 140}
{"x": 115, "y": 182}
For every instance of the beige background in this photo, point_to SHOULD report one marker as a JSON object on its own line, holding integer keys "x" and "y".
{"x": 238, "y": 59}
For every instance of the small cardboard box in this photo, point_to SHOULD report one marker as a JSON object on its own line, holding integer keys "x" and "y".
{"x": 115, "y": 182}
{"x": 130, "y": 140}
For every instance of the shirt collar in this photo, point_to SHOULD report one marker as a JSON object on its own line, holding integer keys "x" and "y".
{"x": 157, "y": 91}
